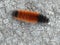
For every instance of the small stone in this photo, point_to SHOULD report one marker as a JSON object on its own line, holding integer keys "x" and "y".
{"x": 5, "y": 21}
{"x": 9, "y": 25}
{"x": 50, "y": 12}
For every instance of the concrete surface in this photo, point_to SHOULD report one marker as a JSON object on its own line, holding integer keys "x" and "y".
{"x": 13, "y": 32}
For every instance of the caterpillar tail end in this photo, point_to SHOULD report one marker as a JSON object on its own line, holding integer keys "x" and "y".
{"x": 43, "y": 19}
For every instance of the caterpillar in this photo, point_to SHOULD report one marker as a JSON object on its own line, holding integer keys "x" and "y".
{"x": 29, "y": 16}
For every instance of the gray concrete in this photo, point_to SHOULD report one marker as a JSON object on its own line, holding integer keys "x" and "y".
{"x": 13, "y": 32}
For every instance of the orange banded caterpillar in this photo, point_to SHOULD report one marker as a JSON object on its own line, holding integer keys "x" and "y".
{"x": 29, "y": 16}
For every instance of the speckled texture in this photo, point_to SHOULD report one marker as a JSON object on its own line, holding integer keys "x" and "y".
{"x": 13, "y": 32}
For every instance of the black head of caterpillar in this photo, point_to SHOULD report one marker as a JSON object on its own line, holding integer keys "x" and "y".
{"x": 43, "y": 19}
{"x": 15, "y": 13}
